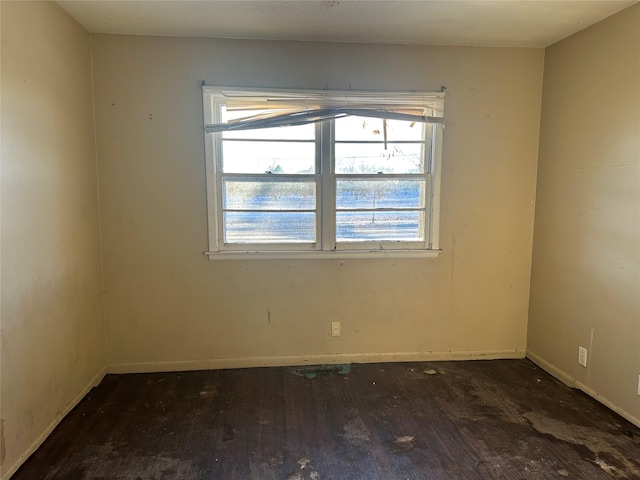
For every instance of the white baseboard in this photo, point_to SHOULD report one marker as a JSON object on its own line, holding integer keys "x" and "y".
{"x": 573, "y": 383}
{"x": 43, "y": 436}
{"x": 331, "y": 358}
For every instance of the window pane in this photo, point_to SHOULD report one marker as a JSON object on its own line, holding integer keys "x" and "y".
{"x": 373, "y": 158}
{"x": 268, "y": 195}
{"x": 370, "y": 194}
{"x": 379, "y": 226}
{"x": 274, "y": 157}
{"x": 372, "y": 129}
{"x": 269, "y": 227}
{"x": 301, "y": 132}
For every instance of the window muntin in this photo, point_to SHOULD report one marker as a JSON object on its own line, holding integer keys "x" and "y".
{"x": 269, "y": 227}
{"x": 353, "y": 158}
{"x": 289, "y": 150}
{"x": 344, "y": 184}
{"x": 378, "y": 226}
{"x": 279, "y": 157}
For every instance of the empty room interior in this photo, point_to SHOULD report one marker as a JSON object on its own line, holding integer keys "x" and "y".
{"x": 528, "y": 273}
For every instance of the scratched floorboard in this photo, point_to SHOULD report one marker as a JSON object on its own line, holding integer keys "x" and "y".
{"x": 503, "y": 419}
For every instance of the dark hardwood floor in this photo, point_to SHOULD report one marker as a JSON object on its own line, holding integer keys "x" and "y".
{"x": 503, "y": 419}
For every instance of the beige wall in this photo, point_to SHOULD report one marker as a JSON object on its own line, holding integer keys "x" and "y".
{"x": 586, "y": 262}
{"x": 168, "y": 306}
{"x": 53, "y": 345}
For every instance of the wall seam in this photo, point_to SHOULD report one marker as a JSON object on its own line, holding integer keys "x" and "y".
{"x": 100, "y": 238}
{"x": 535, "y": 196}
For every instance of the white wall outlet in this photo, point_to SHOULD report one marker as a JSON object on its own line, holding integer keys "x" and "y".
{"x": 335, "y": 329}
{"x": 638, "y": 384}
{"x": 582, "y": 356}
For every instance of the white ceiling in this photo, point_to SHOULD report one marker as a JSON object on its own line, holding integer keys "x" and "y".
{"x": 523, "y": 23}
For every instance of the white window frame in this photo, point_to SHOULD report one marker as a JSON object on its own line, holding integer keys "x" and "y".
{"x": 325, "y": 177}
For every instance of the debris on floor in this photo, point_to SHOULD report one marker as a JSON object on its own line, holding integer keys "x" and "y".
{"x": 403, "y": 444}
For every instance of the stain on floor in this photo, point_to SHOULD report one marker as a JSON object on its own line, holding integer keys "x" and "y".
{"x": 312, "y": 371}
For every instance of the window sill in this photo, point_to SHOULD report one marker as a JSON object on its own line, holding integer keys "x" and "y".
{"x": 323, "y": 254}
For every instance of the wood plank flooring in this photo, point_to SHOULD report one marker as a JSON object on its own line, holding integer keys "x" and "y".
{"x": 503, "y": 419}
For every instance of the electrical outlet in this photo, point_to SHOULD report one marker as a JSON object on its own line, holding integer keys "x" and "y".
{"x": 638, "y": 384}
{"x": 335, "y": 329}
{"x": 582, "y": 356}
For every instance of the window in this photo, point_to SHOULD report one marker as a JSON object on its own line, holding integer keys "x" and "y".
{"x": 320, "y": 173}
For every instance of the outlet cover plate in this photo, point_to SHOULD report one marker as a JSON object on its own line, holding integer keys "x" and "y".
{"x": 335, "y": 329}
{"x": 582, "y": 356}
